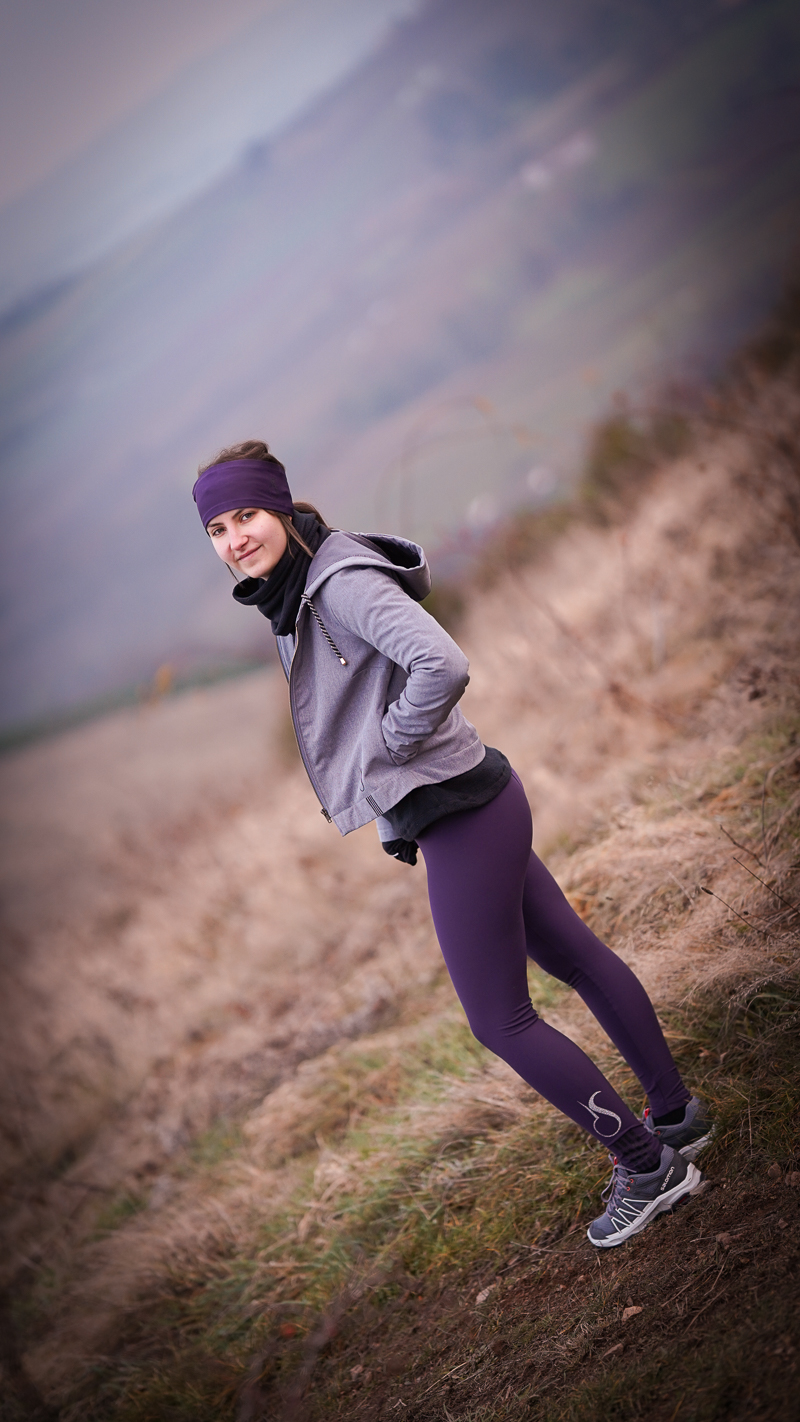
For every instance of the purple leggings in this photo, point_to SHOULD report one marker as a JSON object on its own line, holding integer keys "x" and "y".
{"x": 494, "y": 904}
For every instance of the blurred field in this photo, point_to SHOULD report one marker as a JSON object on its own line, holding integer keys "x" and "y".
{"x": 256, "y": 1166}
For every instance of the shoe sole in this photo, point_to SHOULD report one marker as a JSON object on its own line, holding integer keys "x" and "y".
{"x": 693, "y": 1149}
{"x": 688, "y": 1185}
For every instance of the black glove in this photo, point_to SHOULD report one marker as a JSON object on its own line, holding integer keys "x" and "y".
{"x": 405, "y": 849}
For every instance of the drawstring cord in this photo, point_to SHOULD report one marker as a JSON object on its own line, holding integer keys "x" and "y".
{"x": 323, "y": 629}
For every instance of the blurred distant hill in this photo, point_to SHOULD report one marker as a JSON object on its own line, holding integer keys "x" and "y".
{"x": 421, "y": 294}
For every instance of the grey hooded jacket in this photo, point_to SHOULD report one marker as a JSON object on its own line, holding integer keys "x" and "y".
{"x": 374, "y": 681}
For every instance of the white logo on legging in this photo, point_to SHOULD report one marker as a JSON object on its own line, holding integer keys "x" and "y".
{"x": 597, "y": 1112}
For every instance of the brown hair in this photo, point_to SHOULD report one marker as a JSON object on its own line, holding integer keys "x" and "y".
{"x": 257, "y": 449}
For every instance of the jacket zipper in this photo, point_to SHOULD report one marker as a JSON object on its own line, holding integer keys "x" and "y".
{"x": 293, "y": 709}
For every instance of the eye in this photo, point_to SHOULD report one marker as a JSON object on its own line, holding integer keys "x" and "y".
{"x": 250, "y": 513}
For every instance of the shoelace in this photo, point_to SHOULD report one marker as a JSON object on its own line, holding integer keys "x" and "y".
{"x": 618, "y": 1185}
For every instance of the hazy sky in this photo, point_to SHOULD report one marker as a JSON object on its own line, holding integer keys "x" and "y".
{"x": 69, "y": 71}
{"x": 111, "y": 112}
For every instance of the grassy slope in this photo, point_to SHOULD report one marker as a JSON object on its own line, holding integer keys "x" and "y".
{"x": 433, "y": 1254}
{"x": 398, "y": 1228}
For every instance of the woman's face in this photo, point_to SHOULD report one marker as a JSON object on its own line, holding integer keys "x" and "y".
{"x": 251, "y": 541}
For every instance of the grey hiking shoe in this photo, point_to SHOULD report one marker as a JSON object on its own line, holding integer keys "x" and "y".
{"x": 635, "y": 1200}
{"x": 689, "y": 1136}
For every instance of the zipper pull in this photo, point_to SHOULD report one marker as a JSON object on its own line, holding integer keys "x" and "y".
{"x": 325, "y": 815}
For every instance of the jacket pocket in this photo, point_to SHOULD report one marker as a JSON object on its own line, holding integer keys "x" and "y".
{"x": 397, "y": 757}
{"x": 400, "y": 757}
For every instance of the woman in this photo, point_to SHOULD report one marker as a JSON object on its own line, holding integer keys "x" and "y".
{"x": 374, "y": 686}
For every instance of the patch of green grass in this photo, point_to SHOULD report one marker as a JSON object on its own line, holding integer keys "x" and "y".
{"x": 214, "y": 1145}
{"x": 449, "y": 1050}
{"x": 429, "y": 1207}
{"x": 716, "y": 1380}
{"x": 455, "y": 1209}
{"x": 361, "y": 1082}
{"x": 117, "y": 1212}
{"x": 545, "y": 991}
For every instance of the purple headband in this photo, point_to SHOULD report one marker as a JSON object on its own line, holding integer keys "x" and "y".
{"x": 242, "y": 483}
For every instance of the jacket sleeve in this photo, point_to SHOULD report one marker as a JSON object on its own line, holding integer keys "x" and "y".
{"x": 372, "y": 605}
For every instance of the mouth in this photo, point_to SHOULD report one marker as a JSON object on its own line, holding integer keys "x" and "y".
{"x": 243, "y": 557}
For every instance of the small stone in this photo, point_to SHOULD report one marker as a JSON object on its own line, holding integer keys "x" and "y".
{"x": 774, "y": 1171}
{"x": 793, "y": 1178}
{"x": 783, "y": 1224}
{"x": 357, "y": 1370}
{"x": 484, "y": 1294}
{"x": 630, "y": 1312}
{"x": 724, "y": 1239}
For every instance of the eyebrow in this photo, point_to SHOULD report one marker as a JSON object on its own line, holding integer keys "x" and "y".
{"x": 235, "y": 512}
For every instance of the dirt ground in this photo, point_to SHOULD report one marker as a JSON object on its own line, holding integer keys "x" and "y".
{"x": 215, "y": 1007}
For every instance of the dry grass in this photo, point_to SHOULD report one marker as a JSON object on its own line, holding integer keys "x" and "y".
{"x": 263, "y": 1170}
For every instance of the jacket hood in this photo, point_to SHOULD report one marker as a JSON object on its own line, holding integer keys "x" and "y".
{"x": 398, "y": 556}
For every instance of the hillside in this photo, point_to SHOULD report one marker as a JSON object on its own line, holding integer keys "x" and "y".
{"x": 255, "y": 1164}
{"x": 421, "y": 294}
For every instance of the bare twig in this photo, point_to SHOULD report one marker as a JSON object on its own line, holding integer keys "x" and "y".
{"x": 790, "y": 809}
{"x": 681, "y": 886}
{"x": 729, "y": 907}
{"x": 738, "y": 845}
{"x": 691, "y": 1284}
{"x": 440, "y": 1380}
{"x": 703, "y": 1309}
{"x": 716, "y": 1281}
{"x": 767, "y": 886}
